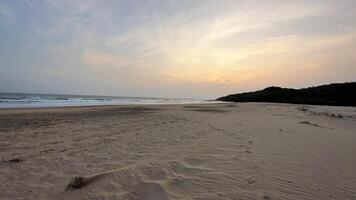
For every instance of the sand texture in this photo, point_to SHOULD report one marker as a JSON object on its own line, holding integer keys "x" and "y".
{"x": 156, "y": 152}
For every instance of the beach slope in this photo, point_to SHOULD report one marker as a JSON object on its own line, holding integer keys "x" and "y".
{"x": 202, "y": 151}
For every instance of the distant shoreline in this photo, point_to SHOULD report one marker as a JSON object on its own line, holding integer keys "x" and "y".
{"x": 112, "y": 105}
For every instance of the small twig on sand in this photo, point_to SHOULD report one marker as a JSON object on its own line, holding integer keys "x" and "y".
{"x": 80, "y": 181}
{"x": 77, "y": 182}
{"x": 15, "y": 160}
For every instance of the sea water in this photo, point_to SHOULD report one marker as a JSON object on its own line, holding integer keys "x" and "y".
{"x": 22, "y": 100}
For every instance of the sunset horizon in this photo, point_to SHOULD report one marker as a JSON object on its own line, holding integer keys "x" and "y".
{"x": 188, "y": 49}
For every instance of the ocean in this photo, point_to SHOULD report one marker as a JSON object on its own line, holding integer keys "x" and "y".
{"x": 23, "y": 100}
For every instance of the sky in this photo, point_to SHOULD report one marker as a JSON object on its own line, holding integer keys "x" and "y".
{"x": 169, "y": 48}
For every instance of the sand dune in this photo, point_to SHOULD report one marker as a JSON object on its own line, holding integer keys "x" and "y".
{"x": 215, "y": 151}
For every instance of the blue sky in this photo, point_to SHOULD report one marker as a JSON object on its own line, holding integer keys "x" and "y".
{"x": 166, "y": 48}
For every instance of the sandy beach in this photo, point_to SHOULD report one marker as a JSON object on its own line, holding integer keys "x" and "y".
{"x": 202, "y": 151}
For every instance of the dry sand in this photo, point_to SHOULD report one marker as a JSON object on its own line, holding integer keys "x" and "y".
{"x": 217, "y": 151}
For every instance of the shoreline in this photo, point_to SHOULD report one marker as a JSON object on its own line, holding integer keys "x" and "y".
{"x": 171, "y": 104}
{"x": 98, "y": 105}
{"x": 105, "y": 106}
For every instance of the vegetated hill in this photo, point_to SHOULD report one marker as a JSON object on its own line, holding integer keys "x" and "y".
{"x": 336, "y": 94}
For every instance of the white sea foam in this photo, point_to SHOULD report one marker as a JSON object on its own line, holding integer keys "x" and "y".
{"x": 20, "y": 100}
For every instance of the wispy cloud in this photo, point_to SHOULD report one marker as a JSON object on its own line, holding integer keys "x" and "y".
{"x": 6, "y": 12}
{"x": 233, "y": 44}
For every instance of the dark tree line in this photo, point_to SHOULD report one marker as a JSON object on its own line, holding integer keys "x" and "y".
{"x": 336, "y": 94}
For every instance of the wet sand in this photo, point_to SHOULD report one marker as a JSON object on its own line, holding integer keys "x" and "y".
{"x": 207, "y": 151}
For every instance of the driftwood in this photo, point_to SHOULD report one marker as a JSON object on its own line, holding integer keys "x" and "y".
{"x": 77, "y": 182}
{"x": 80, "y": 181}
